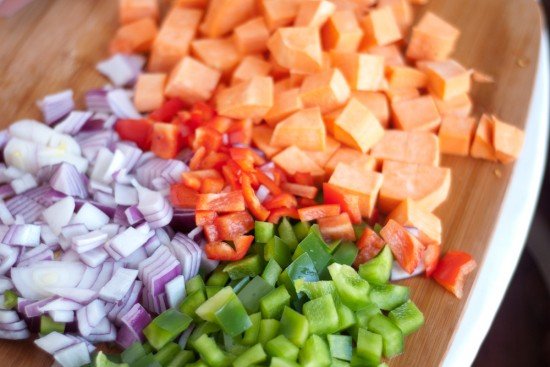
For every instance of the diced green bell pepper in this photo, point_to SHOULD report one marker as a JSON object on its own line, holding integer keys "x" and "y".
{"x": 301, "y": 230}
{"x": 255, "y": 354}
{"x": 301, "y": 268}
{"x": 392, "y": 336}
{"x": 345, "y": 253}
{"x": 315, "y": 353}
{"x": 321, "y": 315}
{"x": 250, "y": 336}
{"x": 282, "y": 347}
{"x": 294, "y": 326}
{"x": 251, "y": 294}
{"x": 210, "y": 352}
{"x": 232, "y": 317}
{"x": 182, "y": 359}
{"x": 263, "y": 231}
{"x": 341, "y": 346}
{"x": 352, "y": 289}
{"x": 198, "y": 363}
{"x": 407, "y": 317}
{"x": 316, "y": 248}
{"x": 147, "y": 361}
{"x": 359, "y": 229}
{"x": 211, "y": 290}
{"x": 133, "y": 353}
{"x": 166, "y": 327}
{"x": 148, "y": 348}
{"x": 191, "y": 302}
{"x": 363, "y": 315}
{"x": 167, "y": 353}
{"x": 205, "y": 328}
{"x": 315, "y": 229}
{"x": 269, "y": 329}
{"x": 233, "y": 344}
{"x": 315, "y": 289}
{"x": 333, "y": 246}
{"x": 47, "y": 325}
{"x": 208, "y": 309}
{"x": 194, "y": 284}
{"x": 10, "y": 299}
{"x": 249, "y": 266}
{"x": 286, "y": 232}
{"x": 276, "y": 249}
{"x": 388, "y": 296}
{"x": 377, "y": 228}
{"x": 346, "y": 317}
{"x": 378, "y": 269}
{"x": 218, "y": 278}
{"x": 339, "y": 363}
{"x": 101, "y": 360}
{"x": 239, "y": 284}
{"x": 273, "y": 303}
{"x": 369, "y": 346}
{"x": 272, "y": 271}
{"x": 281, "y": 362}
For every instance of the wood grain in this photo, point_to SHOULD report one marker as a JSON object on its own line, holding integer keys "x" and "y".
{"x": 54, "y": 45}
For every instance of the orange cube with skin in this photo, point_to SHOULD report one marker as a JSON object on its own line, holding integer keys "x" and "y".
{"x": 455, "y": 135}
{"x": 402, "y": 77}
{"x": 420, "y": 147}
{"x": 432, "y": 39}
{"x": 131, "y": 10}
{"x": 137, "y": 36}
{"x": 197, "y": 4}
{"x": 222, "y": 16}
{"x": 293, "y": 160}
{"x": 362, "y": 71}
{"x": 174, "y": 38}
{"x": 409, "y": 214}
{"x": 282, "y": 85}
{"x": 279, "y": 13}
{"x": 250, "y": 99}
{"x": 342, "y": 32}
{"x": 380, "y": 27}
{"x": 416, "y": 114}
{"x": 251, "y": 36}
{"x": 507, "y": 140}
{"x": 460, "y": 106}
{"x": 192, "y": 81}
{"x": 350, "y": 157}
{"x": 377, "y": 103}
{"x": 249, "y": 67}
{"x": 329, "y": 119}
{"x": 403, "y": 12}
{"x": 279, "y": 72}
{"x": 328, "y": 90}
{"x": 361, "y": 181}
{"x": 149, "y": 91}
{"x": 447, "y": 79}
{"x": 218, "y": 53}
{"x": 322, "y": 157}
{"x": 285, "y": 104}
{"x": 261, "y": 137}
{"x": 401, "y": 94}
{"x": 482, "y": 146}
{"x": 391, "y": 53}
{"x": 314, "y": 13}
{"x": 304, "y": 129}
{"x": 297, "y": 49}
{"x": 427, "y": 185}
{"x": 357, "y": 126}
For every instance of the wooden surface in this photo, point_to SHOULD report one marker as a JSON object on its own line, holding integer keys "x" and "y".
{"x": 54, "y": 45}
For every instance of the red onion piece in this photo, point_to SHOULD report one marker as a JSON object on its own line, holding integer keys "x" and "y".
{"x": 8, "y": 256}
{"x": 121, "y": 105}
{"x": 53, "y": 342}
{"x": 62, "y": 316}
{"x": 119, "y": 285}
{"x": 88, "y": 241}
{"x": 73, "y": 356}
{"x": 133, "y": 323}
{"x": 59, "y": 214}
{"x": 23, "y": 235}
{"x": 56, "y": 106}
{"x": 73, "y": 123}
{"x": 118, "y": 69}
{"x": 175, "y": 291}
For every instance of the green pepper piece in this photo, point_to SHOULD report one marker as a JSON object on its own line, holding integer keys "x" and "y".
{"x": 194, "y": 284}
{"x": 301, "y": 230}
{"x": 353, "y": 290}
{"x": 317, "y": 250}
{"x": 251, "y": 334}
{"x": 198, "y": 363}
{"x": 294, "y": 326}
{"x": 276, "y": 249}
{"x": 255, "y": 354}
{"x": 148, "y": 348}
{"x": 269, "y": 328}
{"x": 232, "y": 317}
{"x": 47, "y": 325}
{"x": 333, "y": 246}
{"x": 287, "y": 234}
{"x": 346, "y": 317}
{"x": 272, "y": 271}
{"x": 359, "y": 229}
{"x": 345, "y": 254}
{"x": 315, "y": 289}
{"x": 315, "y": 353}
{"x": 239, "y": 284}
{"x": 251, "y": 294}
{"x": 407, "y": 317}
{"x": 233, "y": 344}
{"x": 166, "y": 327}
{"x": 208, "y": 309}
{"x": 339, "y": 363}
{"x": 249, "y": 266}
{"x": 392, "y": 336}
{"x": 256, "y": 249}
{"x": 301, "y": 268}
{"x": 378, "y": 269}
{"x": 388, "y": 296}
{"x": 263, "y": 231}
{"x": 167, "y": 353}
{"x": 210, "y": 352}
{"x": 281, "y": 362}
{"x": 147, "y": 361}
{"x": 315, "y": 229}
{"x": 377, "y": 228}
{"x": 10, "y": 299}
{"x": 364, "y": 315}
{"x": 182, "y": 359}
{"x": 283, "y": 348}
{"x": 101, "y": 360}
{"x": 211, "y": 290}
{"x": 218, "y": 278}
{"x": 369, "y": 346}
{"x": 191, "y": 302}
{"x": 321, "y": 315}
{"x": 273, "y": 303}
{"x": 340, "y": 346}
{"x": 133, "y": 353}
{"x": 205, "y": 328}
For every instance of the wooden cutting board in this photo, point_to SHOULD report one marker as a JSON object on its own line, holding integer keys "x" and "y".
{"x": 54, "y": 45}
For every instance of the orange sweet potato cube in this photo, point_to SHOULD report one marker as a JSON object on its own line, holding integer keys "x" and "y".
{"x": 409, "y": 214}
{"x": 342, "y": 32}
{"x": 149, "y": 91}
{"x": 192, "y": 81}
{"x": 304, "y": 129}
{"x": 329, "y": 119}
{"x": 197, "y": 4}
{"x": 222, "y": 16}
{"x": 297, "y": 49}
{"x": 507, "y": 140}
{"x": 432, "y": 39}
{"x": 279, "y": 13}
{"x": 249, "y": 99}
{"x": 482, "y": 146}
{"x": 401, "y": 94}
{"x": 137, "y": 36}
{"x": 293, "y": 160}
{"x": 403, "y": 12}
{"x": 460, "y": 106}
{"x": 377, "y": 103}
{"x": 328, "y": 90}
{"x": 420, "y": 147}
{"x": 447, "y": 79}
{"x": 132, "y": 10}
{"x": 380, "y": 27}
{"x": 323, "y": 156}
{"x": 362, "y": 71}
{"x": 314, "y": 13}
{"x": 285, "y": 104}
{"x": 357, "y": 126}
{"x": 251, "y": 36}
{"x": 416, "y": 114}
{"x": 261, "y": 137}
{"x": 402, "y": 77}
{"x": 455, "y": 135}
{"x": 391, "y": 53}
{"x": 351, "y": 157}
{"x": 218, "y": 53}
{"x": 250, "y": 66}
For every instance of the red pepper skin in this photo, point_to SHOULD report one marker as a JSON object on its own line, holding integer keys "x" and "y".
{"x": 207, "y": 137}
{"x": 277, "y": 214}
{"x": 138, "y": 131}
{"x": 304, "y": 178}
{"x": 212, "y": 185}
{"x": 223, "y": 202}
{"x": 406, "y": 248}
{"x": 282, "y": 200}
{"x": 431, "y": 258}
{"x": 211, "y": 232}
{"x": 166, "y": 140}
{"x": 304, "y": 191}
{"x": 348, "y": 202}
{"x": 244, "y": 157}
{"x": 452, "y": 269}
{"x": 183, "y": 197}
{"x": 268, "y": 182}
{"x": 225, "y": 252}
{"x": 318, "y": 211}
{"x": 369, "y": 245}
{"x": 337, "y": 227}
{"x": 252, "y": 202}
{"x": 203, "y": 217}
{"x": 234, "y": 225}
{"x": 168, "y": 110}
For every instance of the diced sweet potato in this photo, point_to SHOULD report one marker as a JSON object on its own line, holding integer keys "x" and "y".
{"x": 314, "y": 13}
{"x": 278, "y": 71}
{"x": 192, "y": 81}
{"x": 284, "y": 105}
{"x": 250, "y": 99}
{"x": 282, "y": 85}
{"x": 402, "y": 11}
{"x": 322, "y": 157}
{"x": 149, "y": 91}
{"x": 329, "y": 119}
{"x": 357, "y": 126}
{"x": 261, "y": 137}
{"x": 420, "y": 147}
{"x": 427, "y": 185}
{"x": 351, "y": 157}
{"x": 218, "y": 53}
{"x": 174, "y": 37}
{"x": 401, "y": 94}
{"x": 279, "y": 13}
{"x": 137, "y": 36}
{"x": 507, "y": 140}
{"x": 342, "y": 32}
{"x": 377, "y": 103}
{"x": 222, "y": 16}
{"x": 297, "y": 49}
{"x": 380, "y": 27}
{"x": 432, "y": 39}
{"x": 391, "y": 53}
{"x": 403, "y": 77}
{"x": 483, "y": 147}
{"x": 416, "y": 114}
{"x": 447, "y": 79}
{"x": 251, "y": 36}
{"x": 328, "y": 90}
{"x": 362, "y": 71}
{"x": 409, "y": 214}
{"x": 304, "y": 129}
{"x": 455, "y": 135}
{"x": 293, "y": 160}
{"x": 197, "y": 4}
{"x": 460, "y": 106}
{"x": 131, "y": 10}
{"x": 249, "y": 67}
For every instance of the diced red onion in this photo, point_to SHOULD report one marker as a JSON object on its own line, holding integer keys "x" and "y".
{"x": 23, "y": 235}
{"x": 182, "y": 341}
{"x": 6, "y": 191}
{"x": 8, "y": 316}
{"x": 55, "y": 304}
{"x": 88, "y": 241}
{"x": 21, "y": 154}
{"x": 15, "y": 335}
{"x": 46, "y": 156}
{"x": 131, "y": 153}
{"x": 95, "y": 186}
{"x": 56, "y": 106}
{"x": 73, "y": 123}
{"x": 188, "y": 253}
{"x": 121, "y": 105}
{"x": 54, "y": 342}
{"x": 133, "y": 215}
{"x": 5, "y": 284}
{"x": 14, "y": 326}
{"x": 36, "y": 308}
{"x": 128, "y": 241}
{"x": 70, "y": 256}
{"x": 23, "y": 183}
{"x": 4, "y": 137}
{"x": 68, "y": 180}
{"x": 62, "y": 316}
{"x": 75, "y": 355}
{"x": 95, "y": 257}
{"x": 208, "y": 265}
{"x": 152, "y": 244}
{"x": 95, "y": 312}
{"x": 68, "y": 232}
{"x": 44, "y": 195}
{"x": 183, "y": 220}
{"x": 397, "y": 272}
{"x": 175, "y": 291}
{"x": 59, "y": 214}
{"x": 135, "y": 258}
{"x": 7, "y": 174}
{"x": 104, "y": 275}
{"x": 96, "y": 100}
{"x": 133, "y": 323}
{"x": 118, "y": 69}
{"x": 125, "y": 195}
{"x": 38, "y": 253}
{"x": 92, "y": 142}
{"x": 80, "y": 295}
{"x": 130, "y": 299}
{"x": 29, "y": 209}
{"x": 8, "y": 256}
{"x": 170, "y": 170}
{"x": 119, "y": 285}
{"x": 91, "y": 216}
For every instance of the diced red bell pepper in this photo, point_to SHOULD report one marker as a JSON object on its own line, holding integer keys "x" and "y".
{"x": 220, "y": 123}
{"x": 304, "y": 191}
{"x": 240, "y": 132}
{"x": 214, "y": 160}
{"x": 243, "y": 157}
{"x": 268, "y": 182}
{"x": 337, "y": 227}
{"x": 303, "y": 202}
{"x": 348, "y": 201}
{"x": 282, "y": 200}
{"x": 431, "y": 258}
{"x": 277, "y": 214}
{"x": 195, "y": 162}
{"x": 452, "y": 269}
{"x": 139, "y": 131}
{"x": 166, "y": 140}
{"x": 231, "y": 177}
{"x": 211, "y": 233}
{"x": 203, "y": 217}
{"x": 183, "y": 197}
{"x": 201, "y": 113}
{"x": 304, "y": 178}
{"x": 369, "y": 245}
{"x": 201, "y": 174}
{"x": 223, "y": 202}
{"x": 168, "y": 110}
{"x": 318, "y": 211}
{"x": 231, "y": 226}
{"x": 374, "y": 218}
{"x": 225, "y": 252}
{"x": 212, "y": 185}
{"x": 193, "y": 182}
{"x": 405, "y": 247}
{"x": 207, "y": 137}
{"x": 252, "y": 202}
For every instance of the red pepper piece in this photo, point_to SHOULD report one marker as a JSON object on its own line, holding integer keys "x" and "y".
{"x": 406, "y": 248}
{"x": 225, "y": 252}
{"x": 220, "y": 123}
{"x": 231, "y": 178}
{"x": 138, "y": 131}
{"x": 203, "y": 217}
{"x": 207, "y": 137}
{"x": 348, "y": 202}
{"x": 211, "y": 232}
{"x": 303, "y": 202}
{"x": 304, "y": 191}
{"x": 201, "y": 113}
{"x": 318, "y": 211}
{"x": 166, "y": 140}
{"x": 337, "y": 227}
{"x": 369, "y": 245}
{"x": 240, "y": 132}
{"x": 212, "y": 185}
{"x": 268, "y": 182}
{"x": 431, "y": 258}
{"x": 244, "y": 157}
{"x": 252, "y": 202}
{"x": 195, "y": 162}
{"x": 223, "y": 202}
{"x": 231, "y": 226}
{"x": 277, "y": 214}
{"x": 304, "y": 178}
{"x": 168, "y": 110}
{"x": 282, "y": 200}
{"x": 183, "y": 197}
{"x": 214, "y": 160}
{"x": 452, "y": 269}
